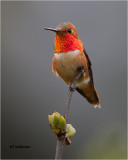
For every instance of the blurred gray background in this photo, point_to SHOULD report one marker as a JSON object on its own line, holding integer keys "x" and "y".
{"x": 30, "y": 91}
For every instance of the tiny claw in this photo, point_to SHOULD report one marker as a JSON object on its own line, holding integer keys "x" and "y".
{"x": 72, "y": 88}
{"x": 79, "y": 69}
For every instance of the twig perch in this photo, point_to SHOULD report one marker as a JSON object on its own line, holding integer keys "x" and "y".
{"x": 61, "y": 139}
{"x": 60, "y": 147}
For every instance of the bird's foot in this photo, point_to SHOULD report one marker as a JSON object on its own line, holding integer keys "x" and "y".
{"x": 80, "y": 69}
{"x": 72, "y": 87}
{"x": 80, "y": 72}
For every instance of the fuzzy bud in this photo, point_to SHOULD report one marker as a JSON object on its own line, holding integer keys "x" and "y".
{"x": 70, "y": 131}
{"x": 57, "y": 122}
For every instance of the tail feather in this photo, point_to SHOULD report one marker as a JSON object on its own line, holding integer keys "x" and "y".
{"x": 91, "y": 96}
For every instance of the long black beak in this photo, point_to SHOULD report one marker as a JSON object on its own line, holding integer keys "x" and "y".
{"x": 51, "y": 29}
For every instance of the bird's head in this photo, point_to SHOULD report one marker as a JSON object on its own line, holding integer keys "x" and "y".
{"x": 66, "y": 38}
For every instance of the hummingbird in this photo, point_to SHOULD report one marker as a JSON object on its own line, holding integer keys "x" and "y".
{"x": 69, "y": 56}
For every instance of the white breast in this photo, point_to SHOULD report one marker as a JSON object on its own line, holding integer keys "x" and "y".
{"x": 70, "y": 54}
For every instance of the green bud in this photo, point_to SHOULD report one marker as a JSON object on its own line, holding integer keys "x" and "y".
{"x": 62, "y": 123}
{"x": 57, "y": 121}
{"x": 70, "y": 131}
{"x": 56, "y": 131}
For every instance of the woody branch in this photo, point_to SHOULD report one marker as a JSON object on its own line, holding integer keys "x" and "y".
{"x": 61, "y": 140}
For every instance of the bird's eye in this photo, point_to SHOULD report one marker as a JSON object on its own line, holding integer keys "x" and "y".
{"x": 69, "y": 31}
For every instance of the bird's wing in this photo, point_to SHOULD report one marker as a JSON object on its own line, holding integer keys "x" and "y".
{"x": 89, "y": 91}
{"x": 89, "y": 67}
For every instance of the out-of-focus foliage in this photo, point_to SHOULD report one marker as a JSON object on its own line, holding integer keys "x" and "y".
{"x": 105, "y": 146}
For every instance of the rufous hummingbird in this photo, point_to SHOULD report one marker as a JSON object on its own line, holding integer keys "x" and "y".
{"x": 69, "y": 55}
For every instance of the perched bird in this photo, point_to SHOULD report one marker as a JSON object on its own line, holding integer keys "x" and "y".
{"x": 69, "y": 55}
